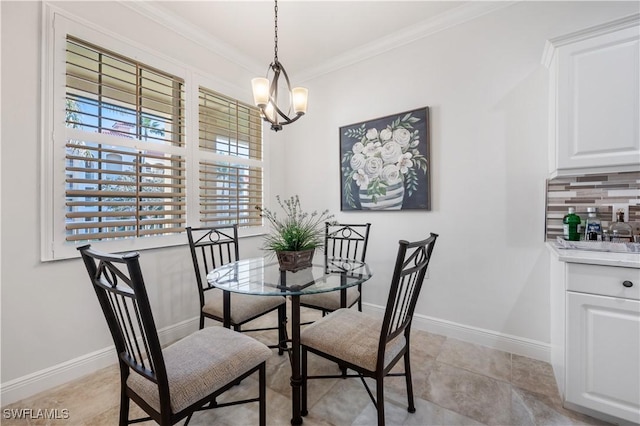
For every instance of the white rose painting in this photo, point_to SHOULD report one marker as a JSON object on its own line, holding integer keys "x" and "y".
{"x": 385, "y": 163}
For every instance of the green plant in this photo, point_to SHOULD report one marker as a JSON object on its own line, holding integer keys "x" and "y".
{"x": 297, "y": 230}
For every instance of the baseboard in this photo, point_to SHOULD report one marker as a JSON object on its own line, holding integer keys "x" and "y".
{"x": 505, "y": 342}
{"x": 31, "y": 384}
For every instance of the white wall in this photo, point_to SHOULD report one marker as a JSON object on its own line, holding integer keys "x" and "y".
{"x": 487, "y": 94}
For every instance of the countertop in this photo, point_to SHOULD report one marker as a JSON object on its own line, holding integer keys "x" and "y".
{"x": 627, "y": 260}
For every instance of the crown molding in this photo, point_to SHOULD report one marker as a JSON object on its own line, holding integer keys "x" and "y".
{"x": 551, "y": 45}
{"x": 185, "y": 29}
{"x": 451, "y": 18}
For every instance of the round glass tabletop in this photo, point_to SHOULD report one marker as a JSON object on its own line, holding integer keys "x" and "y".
{"x": 262, "y": 276}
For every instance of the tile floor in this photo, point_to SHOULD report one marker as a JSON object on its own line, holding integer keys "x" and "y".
{"x": 455, "y": 383}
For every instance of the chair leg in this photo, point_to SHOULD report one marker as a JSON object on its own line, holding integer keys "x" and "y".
{"x": 124, "y": 398}
{"x": 407, "y": 375}
{"x": 201, "y": 321}
{"x": 124, "y": 408}
{"x": 380, "y": 399}
{"x": 263, "y": 394}
{"x": 303, "y": 361}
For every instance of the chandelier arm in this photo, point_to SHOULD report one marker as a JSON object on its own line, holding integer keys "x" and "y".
{"x": 277, "y": 125}
{"x": 278, "y": 69}
{"x": 273, "y": 92}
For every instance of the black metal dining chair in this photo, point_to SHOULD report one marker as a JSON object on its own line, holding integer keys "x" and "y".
{"x": 212, "y": 247}
{"x": 169, "y": 384}
{"x": 347, "y": 241}
{"x": 368, "y": 345}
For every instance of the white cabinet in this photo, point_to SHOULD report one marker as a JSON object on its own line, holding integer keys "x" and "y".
{"x": 603, "y": 354}
{"x": 595, "y": 99}
{"x": 595, "y": 338}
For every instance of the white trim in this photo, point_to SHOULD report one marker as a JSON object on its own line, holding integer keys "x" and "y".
{"x": 504, "y": 342}
{"x": 56, "y": 23}
{"x": 39, "y": 381}
{"x": 584, "y": 34}
{"x": 187, "y": 30}
{"x": 31, "y": 384}
{"x": 453, "y": 17}
{"x": 446, "y": 20}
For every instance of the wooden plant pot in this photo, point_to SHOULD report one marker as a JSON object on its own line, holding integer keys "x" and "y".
{"x": 295, "y": 261}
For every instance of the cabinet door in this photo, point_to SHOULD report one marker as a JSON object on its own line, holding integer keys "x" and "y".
{"x": 598, "y": 101}
{"x": 603, "y": 354}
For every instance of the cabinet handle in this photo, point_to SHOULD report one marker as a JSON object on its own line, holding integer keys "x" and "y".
{"x": 627, "y": 284}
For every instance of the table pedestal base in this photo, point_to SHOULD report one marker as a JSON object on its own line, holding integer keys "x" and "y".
{"x": 296, "y": 379}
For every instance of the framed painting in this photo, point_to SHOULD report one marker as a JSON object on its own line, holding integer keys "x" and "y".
{"x": 385, "y": 163}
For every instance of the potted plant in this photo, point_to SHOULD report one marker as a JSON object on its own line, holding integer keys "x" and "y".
{"x": 295, "y": 236}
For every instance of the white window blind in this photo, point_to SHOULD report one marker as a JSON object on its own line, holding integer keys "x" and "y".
{"x": 125, "y": 154}
{"x": 230, "y": 166}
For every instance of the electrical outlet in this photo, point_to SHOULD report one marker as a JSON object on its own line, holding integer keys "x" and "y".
{"x": 616, "y": 207}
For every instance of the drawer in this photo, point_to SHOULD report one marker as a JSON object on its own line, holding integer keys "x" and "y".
{"x": 603, "y": 280}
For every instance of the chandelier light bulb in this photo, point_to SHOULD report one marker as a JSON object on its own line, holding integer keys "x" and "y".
{"x": 260, "y": 88}
{"x": 300, "y": 97}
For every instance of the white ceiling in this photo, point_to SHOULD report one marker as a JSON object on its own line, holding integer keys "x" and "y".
{"x": 311, "y": 34}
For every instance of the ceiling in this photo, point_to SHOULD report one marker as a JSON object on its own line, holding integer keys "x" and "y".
{"x": 311, "y": 34}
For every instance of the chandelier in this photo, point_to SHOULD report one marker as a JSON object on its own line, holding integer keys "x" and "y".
{"x": 265, "y": 93}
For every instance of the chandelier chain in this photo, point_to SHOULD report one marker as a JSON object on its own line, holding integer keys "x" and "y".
{"x": 275, "y": 39}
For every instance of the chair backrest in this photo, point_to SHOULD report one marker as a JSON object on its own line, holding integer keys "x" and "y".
{"x": 119, "y": 285}
{"x": 211, "y": 247}
{"x": 408, "y": 275}
{"x": 347, "y": 241}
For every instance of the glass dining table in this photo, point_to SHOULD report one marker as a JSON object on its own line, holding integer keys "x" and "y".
{"x": 262, "y": 276}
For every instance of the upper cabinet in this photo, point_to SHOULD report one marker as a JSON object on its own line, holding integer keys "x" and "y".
{"x": 594, "y": 103}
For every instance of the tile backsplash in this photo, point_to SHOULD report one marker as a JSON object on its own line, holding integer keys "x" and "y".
{"x": 598, "y": 190}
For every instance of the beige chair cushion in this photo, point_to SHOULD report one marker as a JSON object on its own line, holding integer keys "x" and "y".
{"x": 200, "y": 364}
{"x": 330, "y": 301}
{"x": 351, "y": 336}
{"x": 243, "y": 306}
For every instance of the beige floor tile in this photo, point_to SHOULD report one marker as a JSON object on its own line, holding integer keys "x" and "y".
{"x": 479, "y": 397}
{"x": 425, "y": 343}
{"x": 476, "y": 358}
{"x": 530, "y": 408}
{"x": 451, "y": 418}
{"x": 533, "y": 375}
{"x": 342, "y": 404}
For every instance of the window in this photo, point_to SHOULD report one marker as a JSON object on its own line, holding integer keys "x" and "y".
{"x": 120, "y": 169}
{"x": 230, "y": 190}
{"x": 116, "y": 187}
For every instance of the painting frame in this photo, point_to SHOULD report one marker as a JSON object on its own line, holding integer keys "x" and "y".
{"x": 385, "y": 163}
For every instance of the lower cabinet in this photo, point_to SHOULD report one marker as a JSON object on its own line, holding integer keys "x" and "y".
{"x": 603, "y": 354}
{"x": 598, "y": 366}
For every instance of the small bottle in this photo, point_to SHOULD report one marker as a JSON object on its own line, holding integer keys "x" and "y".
{"x": 593, "y": 228}
{"x": 570, "y": 225}
{"x": 621, "y": 230}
